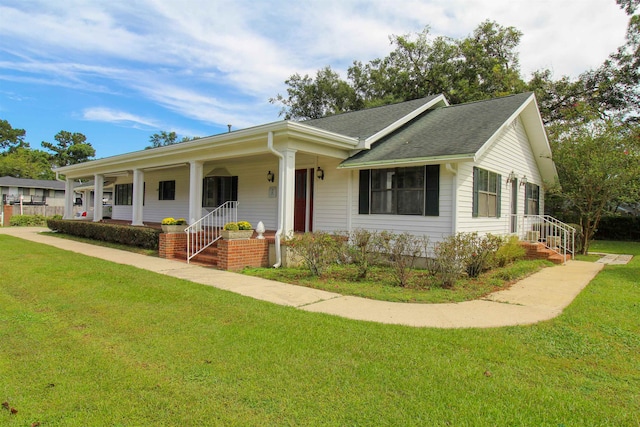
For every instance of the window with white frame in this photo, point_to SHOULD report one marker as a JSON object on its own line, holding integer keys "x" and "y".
{"x": 486, "y": 193}
{"x": 532, "y": 199}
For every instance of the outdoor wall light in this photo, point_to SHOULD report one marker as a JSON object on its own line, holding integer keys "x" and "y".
{"x": 320, "y": 173}
{"x": 524, "y": 180}
{"x": 270, "y": 176}
{"x": 512, "y": 177}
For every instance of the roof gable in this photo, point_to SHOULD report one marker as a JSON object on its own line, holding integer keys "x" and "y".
{"x": 457, "y": 131}
{"x": 365, "y": 124}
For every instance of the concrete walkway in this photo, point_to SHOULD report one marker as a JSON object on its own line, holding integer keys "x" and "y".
{"x": 539, "y": 297}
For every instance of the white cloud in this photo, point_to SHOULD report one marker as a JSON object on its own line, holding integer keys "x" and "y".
{"x": 218, "y": 62}
{"x": 102, "y": 114}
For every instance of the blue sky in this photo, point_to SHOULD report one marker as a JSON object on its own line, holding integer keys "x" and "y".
{"x": 119, "y": 71}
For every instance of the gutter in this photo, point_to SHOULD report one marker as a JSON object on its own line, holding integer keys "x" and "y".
{"x": 280, "y": 198}
{"x": 414, "y": 160}
{"x": 453, "y": 169}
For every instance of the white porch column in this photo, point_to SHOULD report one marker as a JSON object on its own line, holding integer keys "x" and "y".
{"x": 138, "y": 197}
{"x": 98, "y": 188}
{"x": 195, "y": 190}
{"x": 288, "y": 181}
{"x": 86, "y": 198}
{"x": 68, "y": 199}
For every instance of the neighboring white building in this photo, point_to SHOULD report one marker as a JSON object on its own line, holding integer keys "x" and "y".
{"x": 421, "y": 166}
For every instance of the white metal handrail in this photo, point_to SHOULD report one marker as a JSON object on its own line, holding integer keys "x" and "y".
{"x": 207, "y": 230}
{"x": 551, "y": 232}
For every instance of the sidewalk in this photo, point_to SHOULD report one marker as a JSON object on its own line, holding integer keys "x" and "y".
{"x": 539, "y": 297}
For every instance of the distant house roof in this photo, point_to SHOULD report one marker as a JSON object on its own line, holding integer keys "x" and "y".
{"x": 447, "y": 132}
{"x": 9, "y": 181}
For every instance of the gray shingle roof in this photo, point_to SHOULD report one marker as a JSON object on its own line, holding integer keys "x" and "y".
{"x": 448, "y": 131}
{"x": 364, "y": 123}
{"x": 9, "y": 181}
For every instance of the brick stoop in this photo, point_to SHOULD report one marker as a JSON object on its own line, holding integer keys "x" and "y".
{"x": 208, "y": 257}
{"x": 539, "y": 251}
{"x": 223, "y": 254}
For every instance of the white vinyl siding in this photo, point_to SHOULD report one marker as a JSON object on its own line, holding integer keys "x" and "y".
{"x": 330, "y": 207}
{"x": 510, "y": 152}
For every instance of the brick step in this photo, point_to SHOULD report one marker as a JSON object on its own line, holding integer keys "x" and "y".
{"x": 539, "y": 251}
{"x": 208, "y": 257}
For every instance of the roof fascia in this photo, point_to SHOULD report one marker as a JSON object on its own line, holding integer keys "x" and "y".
{"x": 532, "y": 122}
{"x": 162, "y": 156}
{"x": 409, "y": 162}
{"x": 366, "y": 143}
{"x": 489, "y": 142}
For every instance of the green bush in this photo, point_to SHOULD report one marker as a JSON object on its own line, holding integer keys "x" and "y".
{"x": 511, "y": 250}
{"x": 618, "y": 228}
{"x": 28, "y": 221}
{"x": 466, "y": 252}
{"x": 143, "y": 237}
{"x": 318, "y": 250}
{"x": 363, "y": 250}
{"x": 403, "y": 250}
{"x": 448, "y": 261}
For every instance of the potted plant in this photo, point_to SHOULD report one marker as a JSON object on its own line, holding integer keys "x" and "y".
{"x": 237, "y": 230}
{"x": 172, "y": 225}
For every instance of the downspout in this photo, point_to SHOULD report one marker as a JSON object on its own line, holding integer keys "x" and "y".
{"x": 454, "y": 197}
{"x": 280, "y": 198}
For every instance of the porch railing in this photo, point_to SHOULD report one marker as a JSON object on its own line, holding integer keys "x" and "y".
{"x": 551, "y": 232}
{"x": 207, "y": 230}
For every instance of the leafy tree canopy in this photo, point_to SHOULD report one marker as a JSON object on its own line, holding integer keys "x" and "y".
{"x": 481, "y": 66}
{"x": 598, "y": 166}
{"x": 11, "y": 138}
{"x": 23, "y": 162}
{"x": 71, "y": 149}
{"x": 165, "y": 138}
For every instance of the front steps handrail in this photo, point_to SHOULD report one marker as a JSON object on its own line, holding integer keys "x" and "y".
{"x": 207, "y": 230}
{"x": 554, "y": 234}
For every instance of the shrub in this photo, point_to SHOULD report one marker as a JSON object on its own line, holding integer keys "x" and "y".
{"x": 464, "y": 252}
{"x": 28, "y": 221}
{"x": 231, "y": 226}
{"x": 449, "y": 260}
{"x": 318, "y": 250}
{"x": 402, "y": 250}
{"x": 244, "y": 225}
{"x": 511, "y": 250}
{"x": 363, "y": 250}
{"x": 143, "y": 237}
{"x": 479, "y": 252}
{"x": 615, "y": 228}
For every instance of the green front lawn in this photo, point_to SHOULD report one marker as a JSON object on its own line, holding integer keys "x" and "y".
{"x": 85, "y": 342}
{"x": 422, "y": 288}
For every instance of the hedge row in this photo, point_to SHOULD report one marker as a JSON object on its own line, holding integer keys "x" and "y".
{"x": 619, "y": 228}
{"x": 142, "y": 237}
{"x": 30, "y": 220}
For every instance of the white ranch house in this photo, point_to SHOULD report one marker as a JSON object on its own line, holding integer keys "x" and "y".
{"x": 422, "y": 166}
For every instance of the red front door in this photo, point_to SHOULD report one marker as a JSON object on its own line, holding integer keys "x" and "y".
{"x": 303, "y": 201}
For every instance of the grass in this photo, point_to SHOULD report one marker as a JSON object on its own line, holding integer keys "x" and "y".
{"x": 380, "y": 285}
{"x": 613, "y": 247}
{"x": 88, "y": 342}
